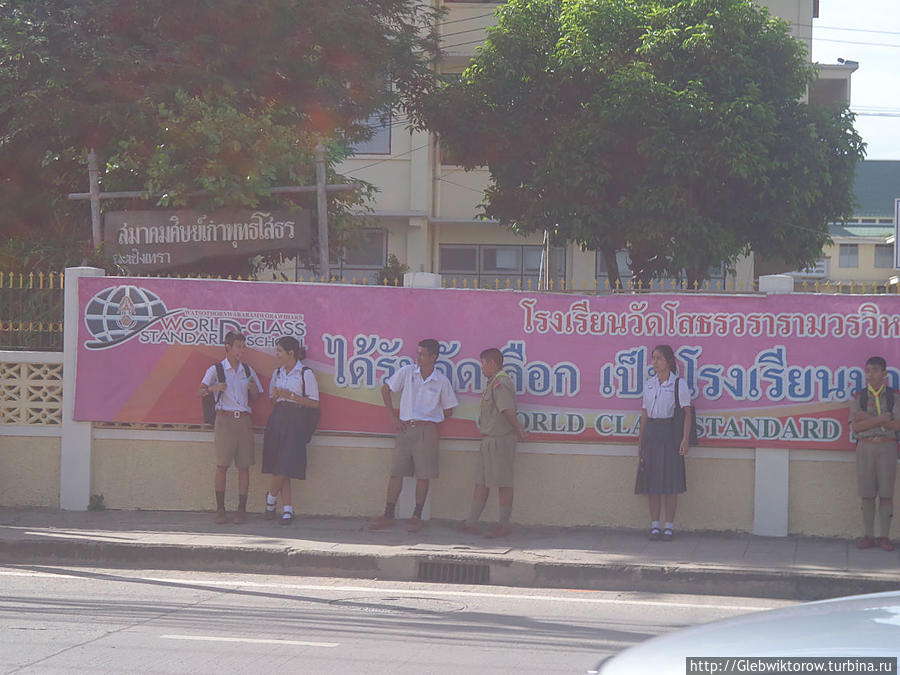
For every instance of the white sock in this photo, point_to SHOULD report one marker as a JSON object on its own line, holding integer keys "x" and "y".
{"x": 270, "y": 502}
{"x": 288, "y": 509}
{"x": 670, "y": 526}
{"x": 654, "y": 525}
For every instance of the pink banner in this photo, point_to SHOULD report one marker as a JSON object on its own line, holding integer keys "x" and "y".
{"x": 771, "y": 371}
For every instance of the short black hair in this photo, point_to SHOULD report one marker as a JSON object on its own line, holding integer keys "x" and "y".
{"x": 492, "y": 354}
{"x": 233, "y": 336}
{"x": 431, "y": 346}
{"x": 877, "y": 361}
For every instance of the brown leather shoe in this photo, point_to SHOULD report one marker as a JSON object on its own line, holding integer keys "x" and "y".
{"x": 884, "y": 544}
{"x": 240, "y": 517}
{"x": 381, "y": 523}
{"x": 414, "y": 524}
{"x": 221, "y": 517}
{"x": 865, "y": 542}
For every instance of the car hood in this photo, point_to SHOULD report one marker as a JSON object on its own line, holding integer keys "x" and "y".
{"x": 861, "y": 625}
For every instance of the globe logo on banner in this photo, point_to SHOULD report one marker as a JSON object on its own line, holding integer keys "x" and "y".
{"x": 118, "y": 313}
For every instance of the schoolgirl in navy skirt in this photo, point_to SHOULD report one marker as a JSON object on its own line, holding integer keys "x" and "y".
{"x": 660, "y": 450}
{"x": 292, "y": 388}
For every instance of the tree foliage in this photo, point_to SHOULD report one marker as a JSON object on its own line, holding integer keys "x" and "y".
{"x": 222, "y": 97}
{"x": 674, "y": 129}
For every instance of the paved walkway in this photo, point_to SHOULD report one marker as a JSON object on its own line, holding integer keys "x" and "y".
{"x": 801, "y": 568}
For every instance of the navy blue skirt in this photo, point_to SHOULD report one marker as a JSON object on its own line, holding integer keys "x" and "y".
{"x": 284, "y": 447}
{"x": 662, "y": 462}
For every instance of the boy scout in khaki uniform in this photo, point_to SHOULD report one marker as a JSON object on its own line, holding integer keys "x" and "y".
{"x": 872, "y": 421}
{"x": 500, "y": 429}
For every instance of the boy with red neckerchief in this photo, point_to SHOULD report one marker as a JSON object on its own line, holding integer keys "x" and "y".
{"x": 873, "y": 424}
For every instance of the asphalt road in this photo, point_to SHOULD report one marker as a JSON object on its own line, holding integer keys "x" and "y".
{"x": 67, "y": 619}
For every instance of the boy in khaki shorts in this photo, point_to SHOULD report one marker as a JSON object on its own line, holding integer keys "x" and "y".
{"x": 500, "y": 429}
{"x": 233, "y": 429}
{"x": 872, "y": 421}
{"x": 426, "y": 399}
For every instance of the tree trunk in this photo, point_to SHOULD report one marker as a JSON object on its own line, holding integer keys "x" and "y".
{"x": 612, "y": 268}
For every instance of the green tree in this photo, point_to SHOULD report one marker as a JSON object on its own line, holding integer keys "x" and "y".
{"x": 674, "y": 129}
{"x": 222, "y": 97}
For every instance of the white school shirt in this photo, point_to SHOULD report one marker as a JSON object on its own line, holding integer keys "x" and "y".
{"x": 234, "y": 398}
{"x": 422, "y": 399}
{"x": 659, "y": 398}
{"x": 291, "y": 381}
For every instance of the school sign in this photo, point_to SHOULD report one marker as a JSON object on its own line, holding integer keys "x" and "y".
{"x": 764, "y": 371}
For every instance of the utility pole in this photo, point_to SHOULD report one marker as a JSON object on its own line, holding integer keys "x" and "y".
{"x": 94, "y": 180}
{"x": 322, "y": 209}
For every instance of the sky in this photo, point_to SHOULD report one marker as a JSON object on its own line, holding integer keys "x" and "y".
{"x": 867, "y": 31}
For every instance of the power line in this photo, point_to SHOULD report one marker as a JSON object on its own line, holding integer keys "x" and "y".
{"x": 386, "y": 159}
{"x": 865, "y": 44}
{"x": 465, "y": 187}
{"x": 468, "y": 18}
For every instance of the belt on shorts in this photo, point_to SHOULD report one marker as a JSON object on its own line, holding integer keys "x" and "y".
{"x": 415, "y": 423}
{"x": 878, "y": 439}
{"x": 236, "y": 414}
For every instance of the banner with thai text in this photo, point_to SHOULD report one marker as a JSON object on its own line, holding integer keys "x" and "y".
{"x": 774, "y": 371}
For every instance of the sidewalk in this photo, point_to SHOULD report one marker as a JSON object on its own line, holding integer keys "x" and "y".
{"x": 800, "y": 568}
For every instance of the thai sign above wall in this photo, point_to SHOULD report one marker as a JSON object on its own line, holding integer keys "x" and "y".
{"x": 146, "y": 241}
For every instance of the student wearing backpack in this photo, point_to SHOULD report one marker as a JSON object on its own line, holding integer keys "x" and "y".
{"x": 873, "y": 424}
{"x": 235, "y": 385}
{"x": 294, "y": 393}
{"x": 661, "y": 448}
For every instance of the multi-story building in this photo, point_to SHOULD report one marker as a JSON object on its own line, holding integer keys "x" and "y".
{"x": 426, "y": 208}
{"x": 862, "y": 249}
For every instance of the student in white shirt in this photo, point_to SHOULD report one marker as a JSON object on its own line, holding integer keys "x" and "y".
{"x": 293, "y": 387}
{"x": 426, "y": 399}
{"x": 659, "y": 448}
{"x": 233, "y": 429}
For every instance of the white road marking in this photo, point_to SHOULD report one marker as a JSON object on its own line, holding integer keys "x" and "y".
{"x": 500, "y": 594}
{"x": 216, "y": 638}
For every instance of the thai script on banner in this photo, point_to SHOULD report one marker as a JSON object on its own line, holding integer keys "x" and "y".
{"x": 671, "y": 321}
{"x": 373, "y": 359}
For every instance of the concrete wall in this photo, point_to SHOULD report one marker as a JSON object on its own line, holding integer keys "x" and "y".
{"x": 29, "y": 470}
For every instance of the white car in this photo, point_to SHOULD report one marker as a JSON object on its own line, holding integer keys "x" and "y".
{"x": 855, "y": 626}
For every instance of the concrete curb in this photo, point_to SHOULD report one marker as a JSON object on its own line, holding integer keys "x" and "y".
{"x": 448, "y": 567}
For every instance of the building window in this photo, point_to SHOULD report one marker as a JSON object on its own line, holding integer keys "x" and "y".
{"x": 884, "y": 256}
{"x": 363, "y": 256}
{"x": 491, "y": 265}
{"x": 380, "y": 143}
{"x": 849, "y": 255}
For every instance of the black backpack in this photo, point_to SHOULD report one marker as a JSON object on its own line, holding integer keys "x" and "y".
{"x": 209, "y": 401}
{"x": 864, "y": 399}
{"x": 310, "y": 415}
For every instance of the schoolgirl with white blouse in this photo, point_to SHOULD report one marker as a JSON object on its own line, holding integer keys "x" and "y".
{"x": 293, "y": 387}
{"x": 660, "y": 452}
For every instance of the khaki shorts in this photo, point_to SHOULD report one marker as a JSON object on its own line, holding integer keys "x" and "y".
{"x": 234, "y": 440}
{"x": 495, "y": 461}
{"x": 876, "y": 468}
{"x": 416, "y": 451}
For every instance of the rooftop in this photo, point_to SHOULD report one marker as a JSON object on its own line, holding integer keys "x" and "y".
{"x": 877, "y": 186}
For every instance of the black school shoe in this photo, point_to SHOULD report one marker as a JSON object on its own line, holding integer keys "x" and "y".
{"x": 287, "y": 518}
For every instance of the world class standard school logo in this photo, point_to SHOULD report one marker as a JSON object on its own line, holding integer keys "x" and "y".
{"x": 118, "y": 313}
